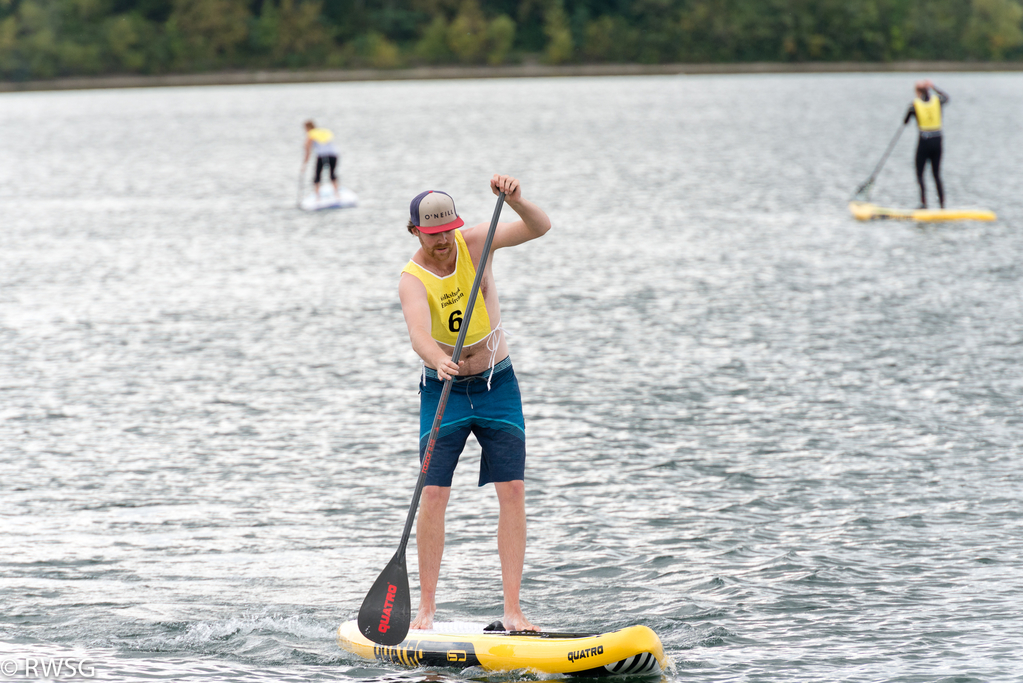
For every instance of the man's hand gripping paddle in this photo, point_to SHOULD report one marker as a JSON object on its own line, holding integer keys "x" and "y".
{"x": 387, "y": 610}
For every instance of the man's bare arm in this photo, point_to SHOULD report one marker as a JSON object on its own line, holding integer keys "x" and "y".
{"x": 532, "y": 223}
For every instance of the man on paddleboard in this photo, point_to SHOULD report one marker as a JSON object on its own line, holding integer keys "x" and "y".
{"x": 434, "y": 289}
{"x": 321, "y": 141}
{"x": 927, "y": 111}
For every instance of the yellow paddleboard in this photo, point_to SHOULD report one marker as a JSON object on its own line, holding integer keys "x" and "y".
{"x": 633, "y": 651}
{"x": 866, "y": 211}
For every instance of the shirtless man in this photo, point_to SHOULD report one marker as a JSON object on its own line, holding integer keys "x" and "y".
{"x": 484, "y": 399}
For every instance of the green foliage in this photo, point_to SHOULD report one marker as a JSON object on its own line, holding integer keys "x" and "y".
{"x": 500, "y": 38}
{"x": 291, "y": 32}
{"x": 469, "y": 38}
{"x": 934, "y": 29}
{"x": 559, "y": 37}
{"x": 610, "y": 39}
{"x": 467, "y": 33}
{"x": 378, "y": 52}
{"x": 127, "y": 37}
{"x": 994, "y": 28}
{"x": 433, "y": 48}
{"x": 52, "y": 38}
{"x": 207, "y": 33}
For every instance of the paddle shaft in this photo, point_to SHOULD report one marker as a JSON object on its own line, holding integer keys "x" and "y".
{"x": 877, "y": 169}
{"x": 446, "y": 391}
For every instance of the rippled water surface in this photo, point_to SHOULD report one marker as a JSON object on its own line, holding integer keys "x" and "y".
{"x": 786, "y": 441}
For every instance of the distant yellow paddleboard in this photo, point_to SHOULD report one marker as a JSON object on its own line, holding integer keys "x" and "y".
{"x": 631, "y": 651}
{"x": 866, "y": 211}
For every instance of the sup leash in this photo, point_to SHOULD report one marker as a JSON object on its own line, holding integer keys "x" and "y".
{"x": 387, "y": 609}
{"x": 863, "y": 191}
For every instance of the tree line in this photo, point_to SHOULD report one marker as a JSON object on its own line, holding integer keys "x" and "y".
{"x": 42, "y": 39}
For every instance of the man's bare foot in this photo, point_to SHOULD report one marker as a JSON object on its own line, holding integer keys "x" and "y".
{"x": 423, "y": 620}
{"x": 517, "y": 623}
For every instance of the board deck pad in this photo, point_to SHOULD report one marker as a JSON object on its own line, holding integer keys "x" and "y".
{"x": 635, "y": 650}
{"x": 326, "y": 199}
{"x": 865, "y": 211}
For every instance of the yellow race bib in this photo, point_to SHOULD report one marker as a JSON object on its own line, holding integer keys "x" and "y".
{"x": 928, "y": 114}
{"x": 321, "y": 135}
{"x": 449, "y": 296}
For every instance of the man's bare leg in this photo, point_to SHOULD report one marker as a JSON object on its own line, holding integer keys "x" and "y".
{"x": 430, "y": 547}
{"x": 511, "y": 547}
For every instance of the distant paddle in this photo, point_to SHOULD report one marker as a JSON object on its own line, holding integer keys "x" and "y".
{"x": 387, "y": 610}
{"x": 301, "y": 178}
{"x": 864, "y": 189}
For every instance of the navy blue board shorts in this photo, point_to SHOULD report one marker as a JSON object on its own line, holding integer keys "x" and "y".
{"x": 494, "y": 417}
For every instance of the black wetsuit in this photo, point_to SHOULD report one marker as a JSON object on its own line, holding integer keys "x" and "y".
{"x": 928, "y": 148}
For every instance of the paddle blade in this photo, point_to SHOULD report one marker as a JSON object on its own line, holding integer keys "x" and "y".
{"x": 387, "y": 610}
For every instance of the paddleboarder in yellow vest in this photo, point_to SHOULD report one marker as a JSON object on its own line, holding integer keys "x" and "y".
{"x": 484, "y": 399}
{"x": 927, "y": 110}
{"x": 321, "y": 141}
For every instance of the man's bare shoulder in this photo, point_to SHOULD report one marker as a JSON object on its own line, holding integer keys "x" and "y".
{"x": 476, "y": 236}
{"x": 410, "y": 289}
{"x": 469, "y": 232}
{"x": 409, "y": 280}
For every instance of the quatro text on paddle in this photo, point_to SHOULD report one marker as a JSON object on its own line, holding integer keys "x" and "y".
{"x": 385, "y": 619}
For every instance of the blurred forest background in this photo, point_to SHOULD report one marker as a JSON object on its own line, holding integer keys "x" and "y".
{"x": 42, "y": 39}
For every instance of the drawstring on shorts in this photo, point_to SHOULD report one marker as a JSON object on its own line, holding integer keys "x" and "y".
{"x": 494, "y": 337}
{"x": 493, "y": 344}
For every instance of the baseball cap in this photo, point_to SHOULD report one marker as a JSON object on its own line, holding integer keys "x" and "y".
{"x": 433, "y": 211}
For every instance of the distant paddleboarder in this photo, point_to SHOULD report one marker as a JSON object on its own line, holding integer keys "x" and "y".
{"x": 434, "y": 289}
{"x": 927, "y": 110}
{"x": 321, "y": 141}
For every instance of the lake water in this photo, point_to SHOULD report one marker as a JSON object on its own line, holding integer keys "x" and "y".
{"x": 788, "y": 442}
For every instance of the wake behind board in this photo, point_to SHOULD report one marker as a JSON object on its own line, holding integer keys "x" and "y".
{"x": 326, "y": 199}
{"x": 635, "y": 650}
{"x": 865, "y": 211}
